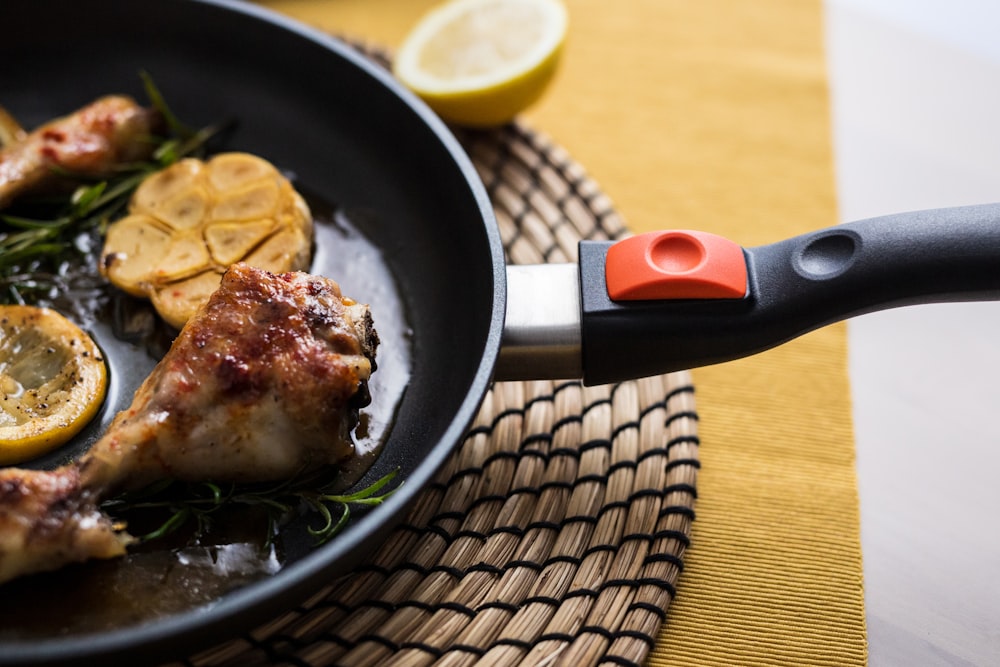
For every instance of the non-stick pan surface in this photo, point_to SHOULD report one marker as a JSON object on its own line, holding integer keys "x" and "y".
{"x": 349, "y": 134}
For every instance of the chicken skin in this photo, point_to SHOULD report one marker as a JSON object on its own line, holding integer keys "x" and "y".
{"x": 88, "y": 142}
{"x": 263, "y": 383}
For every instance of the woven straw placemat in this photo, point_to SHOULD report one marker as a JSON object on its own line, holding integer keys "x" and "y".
{"x": 556, "y": 532}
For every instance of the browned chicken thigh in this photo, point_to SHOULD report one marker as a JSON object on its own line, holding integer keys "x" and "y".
{"x": 262, "y": 383}
{"x": 87, "y": 142}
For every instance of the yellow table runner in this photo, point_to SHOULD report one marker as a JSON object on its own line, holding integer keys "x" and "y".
{"x": 714, "y": 115}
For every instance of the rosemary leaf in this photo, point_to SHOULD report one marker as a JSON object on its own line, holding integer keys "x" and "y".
{"x": 44, "y": 232}
{"x": 185, "y": 502}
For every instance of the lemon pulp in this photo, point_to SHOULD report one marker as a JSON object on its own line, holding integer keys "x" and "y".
{"x": 53, "y": 380}
{"x": 481, "y": 62}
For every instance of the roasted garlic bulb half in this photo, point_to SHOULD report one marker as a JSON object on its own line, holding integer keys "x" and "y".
{"x": 189, "y": 222}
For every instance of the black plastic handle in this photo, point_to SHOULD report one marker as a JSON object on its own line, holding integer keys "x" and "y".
{"x": 794, "y": 286}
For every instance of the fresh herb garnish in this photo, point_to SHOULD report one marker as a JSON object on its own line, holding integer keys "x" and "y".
{"x": 33, "y": 249}
{"x": 184, "y": 503}
{"x": 39, "y": 246}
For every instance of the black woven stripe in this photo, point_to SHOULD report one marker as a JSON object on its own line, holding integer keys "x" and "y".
{"x": 556, "y": 484}
{"x": 475, "y": 471}
{"x": 380, "y": 640}
{"x": 682, "y": 488}
{"x": 436, "y": 485}
{"x": 564, "y": 558}
{"x": 525, "y": 491}
{"x": 585, "y": 479}
{"x": 409, "y": 566}
{"x": 462, "y": 609}
{"x": 556, "y": 637}
{"x": 543, "y": 398}
{"x": 372, "y": 568}
{"x": 628, "y": 584}
{"x": 676, "y": 391}
{"x": 677, "y": 509}
{"x": 483, "y": 500}
{"x": 694, "y": 463}
{"x": 542, "y": 599}
{"x": 383, "y": 605}
{"x": 533, "y": 439}
{"x": 478, "y": 430}
{"x": 486, "y": 568}
{"x": 470, "y": 534}
{"x": 274, "y": 655}
{"x": 659, "y": 612}
{"x": 572, "y": 419}
{"x": 501, "y": 605}
{"x": 621, "y": 465}
{"x": 664, "y": 558}
{"x": 599, "y": 548}
{"x": 597, "y": 630}
{"x": 564, "y": 451}
{"x": 627, "y": 426}
{"x": 540, "y": 454}
{"x": 502, "y": 455}
{"x": 513, "y": 641}
{"x": 543, "y": 525}
{"x": 418, "y": 605}
{"x": 503, "y": 414}
{"x": 673, "y": 535}
{"x": 652, "y": 407}
{"x": 580, "y": 518}
{"x": 662, "y": 584}
{"x": 452, "y": 515}
{"x": 477, "y": 651}
{"x": 682, "y": 439}
{"x": 632, "y": 584}
{"x": 423, "y": 648}
{"x": 636, "y": 537}
{"x": 567, "y": 384}
{"x": 615, "y": 505}
{"x": 650, "y": 453}
{"x": 335, "y": 603}
{"x": 645, "y": 493}
{"x": 453, "y": 572}
{"x": 596, "y": 404}
{"x": 525, "y": 564}
{"x": 580, "y": 593}
{"x": 683, "y": 414}
{"x": 342, "y": 642}
{"x": 597, "y": 443}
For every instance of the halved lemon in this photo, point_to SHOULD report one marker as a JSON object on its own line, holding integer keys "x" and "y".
{"x": 481, "y": 62}
{"x": 53, "y": 379}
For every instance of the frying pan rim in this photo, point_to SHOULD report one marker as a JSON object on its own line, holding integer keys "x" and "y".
{"x": 256, "y": 602}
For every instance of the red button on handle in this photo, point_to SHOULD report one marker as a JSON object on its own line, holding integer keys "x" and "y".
{"x": 675, "y": 264}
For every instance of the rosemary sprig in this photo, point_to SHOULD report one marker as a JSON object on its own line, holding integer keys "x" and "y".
{"x": 185, "y": 503}
{"x": 38, "y": 245}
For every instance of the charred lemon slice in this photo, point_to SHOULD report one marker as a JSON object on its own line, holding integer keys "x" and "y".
{"x": 52, "y": 381}
{"x": 188, "y": 223}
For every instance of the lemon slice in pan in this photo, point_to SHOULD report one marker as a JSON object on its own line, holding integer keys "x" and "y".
{"x": 481, "y": 62}
{"x": 52, "y": 381}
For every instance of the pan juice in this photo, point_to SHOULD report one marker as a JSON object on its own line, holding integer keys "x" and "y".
{"x": 185, "y": 572}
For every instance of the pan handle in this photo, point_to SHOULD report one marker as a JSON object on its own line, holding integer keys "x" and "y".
{"x": 793, "y": 286}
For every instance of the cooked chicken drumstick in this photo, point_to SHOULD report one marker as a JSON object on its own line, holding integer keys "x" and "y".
{"x": 88, "y": 142}
{"x": 261, "y": 384}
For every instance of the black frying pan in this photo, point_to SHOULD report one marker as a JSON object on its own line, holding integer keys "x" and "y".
{"x": 352, "y": 136}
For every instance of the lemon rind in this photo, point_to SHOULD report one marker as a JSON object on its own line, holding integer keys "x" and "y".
{"x": 406, "y": 66}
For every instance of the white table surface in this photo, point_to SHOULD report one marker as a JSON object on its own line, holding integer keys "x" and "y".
{"x": 915, "y": 88}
